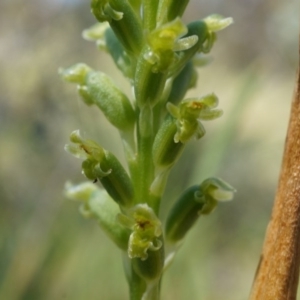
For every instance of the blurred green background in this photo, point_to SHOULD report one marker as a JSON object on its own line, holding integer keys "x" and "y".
{"x": 47, "y": 250}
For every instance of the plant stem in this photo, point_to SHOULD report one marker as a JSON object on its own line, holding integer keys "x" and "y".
{"x": 144, "y": 156}
{"x": 278, "y": 271}
{"x": 137, "y": 286}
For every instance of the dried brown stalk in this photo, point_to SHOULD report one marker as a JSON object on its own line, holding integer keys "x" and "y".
{"x": 278, "y": 271}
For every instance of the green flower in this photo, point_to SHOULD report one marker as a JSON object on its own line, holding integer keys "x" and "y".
{"x": 189, "y": 113}
{"x": 103, "y": 165}
{"x": 195, "y": 201}
{"x": 146, "y": 230}
{"x": 165, "y": 41}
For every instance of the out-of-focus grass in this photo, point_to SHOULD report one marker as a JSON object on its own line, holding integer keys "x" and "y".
{"x": 47, "y": 250}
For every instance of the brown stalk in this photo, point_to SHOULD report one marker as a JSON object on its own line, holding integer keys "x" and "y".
{"x": 278, "y": 271}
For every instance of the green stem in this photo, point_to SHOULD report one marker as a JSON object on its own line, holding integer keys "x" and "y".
{"x": 144, "y": 156}
{"x": 137, "y": 286}
{"x": 149, "y": 14}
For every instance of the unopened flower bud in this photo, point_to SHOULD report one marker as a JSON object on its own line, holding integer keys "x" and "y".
{"x": 166, "y": 150}
{"x": 97, "y": 204}
{"x": 108, "y": 97}
{"x": 123, "y": 21}
{"x": 182, "y": 83}
{"x": 196, "y": 200}
{"x": 170, "y": 9}
{"x": 103, "y": 165}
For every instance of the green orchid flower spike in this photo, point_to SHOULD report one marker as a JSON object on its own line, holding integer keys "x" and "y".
{"x": 158, "y": 54}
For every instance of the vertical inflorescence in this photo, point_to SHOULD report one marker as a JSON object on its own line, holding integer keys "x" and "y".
{"x": 156, "y": 52}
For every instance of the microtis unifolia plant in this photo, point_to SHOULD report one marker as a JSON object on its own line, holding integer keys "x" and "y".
{"x": 158, "y": 54}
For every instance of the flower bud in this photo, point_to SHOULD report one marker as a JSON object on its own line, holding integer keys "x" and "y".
{"x": 109, "y": 98}
{"x": 196, "y": 200}
{"x": 106, "y": 40}
{"x": 205, "y": 30}
{"x": 98, "y": 88}
{"x": 170, "y": 9}
{"x": 182, "y": 83}
{"x": 196, "y": 28}
{"x": 97, "y": 204}
{"x": 103, "y": 165}
{"x": 123, "y": 21}
{"x": 165, "y": 149}
{"x": 176, "y": 8}
{"x": 149, "y": 83}
{"x": 118, "y": 53}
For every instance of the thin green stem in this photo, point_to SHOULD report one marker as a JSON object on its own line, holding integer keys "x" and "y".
{"x": 144, "y": 156}
{"x": 137, "y": 286}
{"x": 149, "y": 14}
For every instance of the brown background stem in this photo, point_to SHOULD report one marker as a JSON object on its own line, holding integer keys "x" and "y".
{"x": 278, "y": 271}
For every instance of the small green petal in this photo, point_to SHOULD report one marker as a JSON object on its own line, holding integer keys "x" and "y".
{"x": 76, "y": 151}
{"x": 80, "y": 192}
{"x": 173, "y": 110}
{"x": 189, "y": 113}
{"x": 210, "y": 114}
{"x": 97, "y": 8}
{"x": 211, "y": 100}
{"x": 85, "y": 95}
{"x": 217, "y": 22}
{"x": 164, "y": 37}
{"x": 185, "y": 43}
{"x": 112, "y": 13}
{"x": 218, "y": 189}
{"x": 96, "y": 32}
{"x": 76, "y": 73}
{"x": 125, "y": 221}
{"x": 75, "y": 137}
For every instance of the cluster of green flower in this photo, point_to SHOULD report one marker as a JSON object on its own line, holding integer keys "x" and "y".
{"x": 158, "y": 54}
